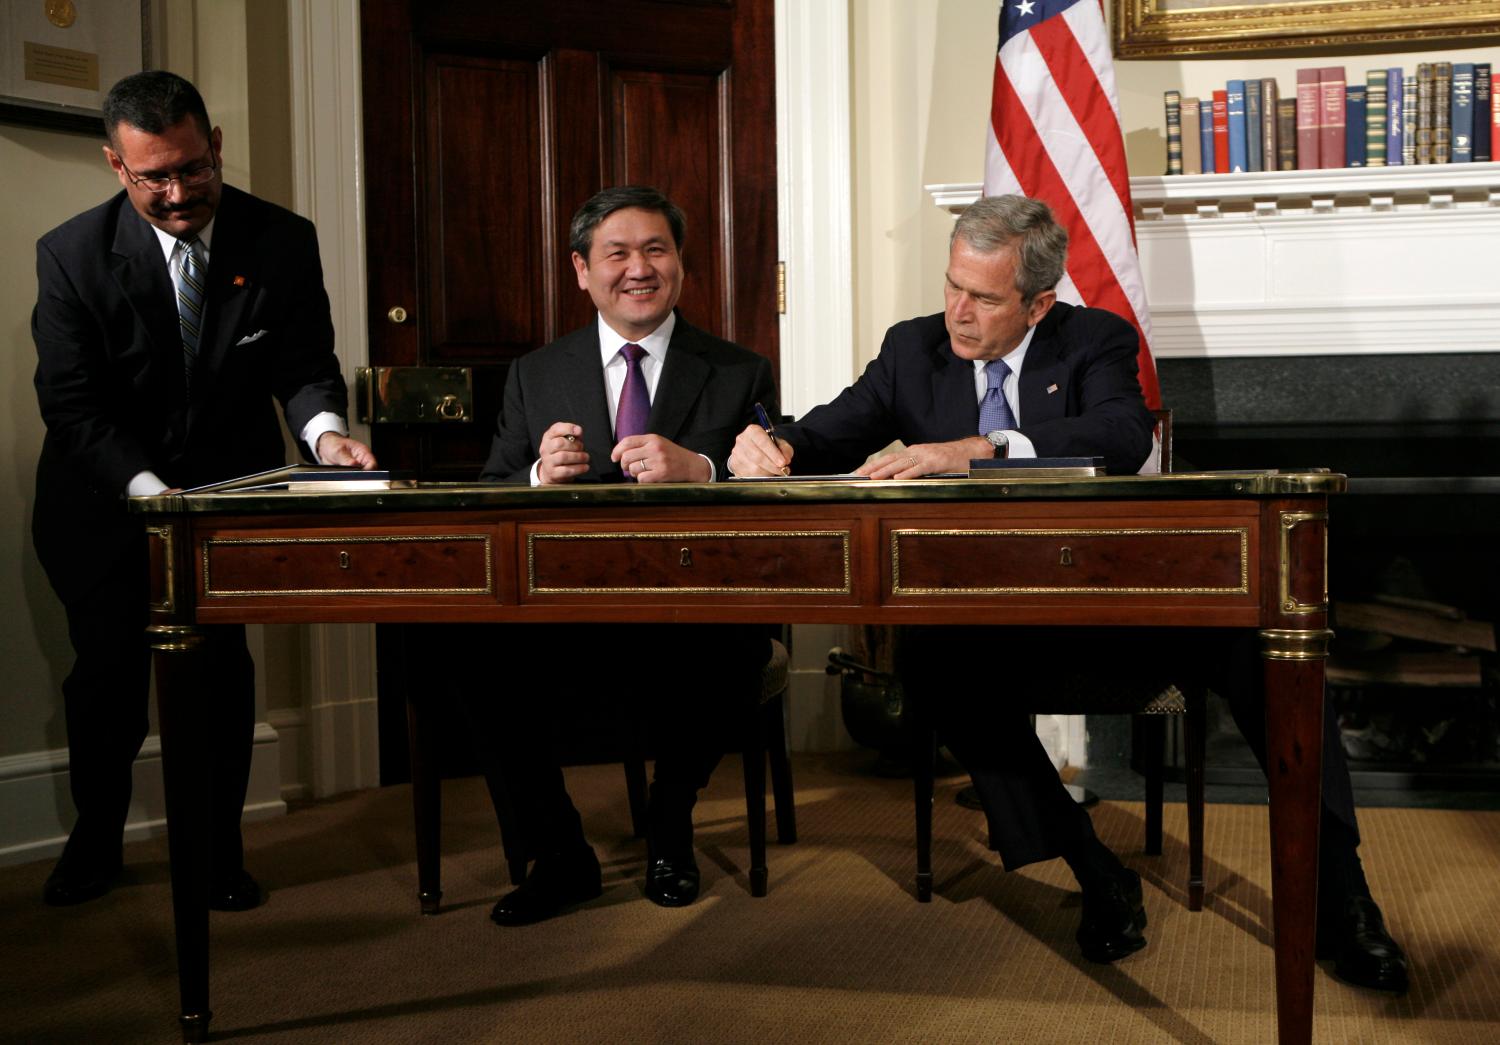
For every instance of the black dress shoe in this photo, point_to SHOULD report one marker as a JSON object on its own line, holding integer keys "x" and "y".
{"x": 555, "y": 884}
{"x": 78, "y": 881}
{"x": 238, "y": 892}
{"x": 1113, "y": 916}
{"x": 672, "y": 882}
{"x": 1363, "y": 953}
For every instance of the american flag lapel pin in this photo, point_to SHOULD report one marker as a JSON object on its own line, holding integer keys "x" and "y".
{"x": 1051, "y": 389}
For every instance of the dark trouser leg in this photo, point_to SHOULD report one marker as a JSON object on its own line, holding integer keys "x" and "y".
{"x": 708, "y": 678}
{"x": 105, "y": 703}
{"x": 962, "y": 673}
{"x": 233, "y": 725}
{"x": 514, "y": 727}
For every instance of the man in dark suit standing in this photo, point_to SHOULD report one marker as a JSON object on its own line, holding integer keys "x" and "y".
{"x": 167, "y": 319}
{"x": 1008, "y": 370}
{"x": 639, "y": 395}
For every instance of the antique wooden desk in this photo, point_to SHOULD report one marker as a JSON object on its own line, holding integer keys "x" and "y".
{"x": 1228, "y": 550}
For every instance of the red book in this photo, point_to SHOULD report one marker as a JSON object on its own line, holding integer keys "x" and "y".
{"x": 1331, "y": 122}
{"x": 1309, "y": 108}
{"x": 1221, "y": 132}
{"x": 1494, "y": 115}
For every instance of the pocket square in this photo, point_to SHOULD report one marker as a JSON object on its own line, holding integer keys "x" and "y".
{"x": 252, "y": 337}
{"x": 1050, "y": 388}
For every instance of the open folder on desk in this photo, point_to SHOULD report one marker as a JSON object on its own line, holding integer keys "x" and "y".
{"x": 307, "y": 478}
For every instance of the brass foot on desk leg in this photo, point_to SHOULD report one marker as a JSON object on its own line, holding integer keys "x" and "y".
{"x": 195, "y": 1026}
{"x": 759, "y": 876}
{"x": 431, "y": 902}
{"x": 924, "y": 886}
{"x": 1195, "y": 895}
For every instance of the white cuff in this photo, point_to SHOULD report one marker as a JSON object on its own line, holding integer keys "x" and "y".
{"x": 327, "y": 421}
{"x": 144, "y": 484}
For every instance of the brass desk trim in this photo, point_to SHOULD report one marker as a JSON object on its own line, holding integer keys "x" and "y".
{"x": 1242, "y": 589}
{"x": 845, "y": 537}
{"x": 210, "y": 543}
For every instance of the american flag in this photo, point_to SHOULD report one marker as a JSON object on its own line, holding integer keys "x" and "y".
{"x": 1054, "y": 135}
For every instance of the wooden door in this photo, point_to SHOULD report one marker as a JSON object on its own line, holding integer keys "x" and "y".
{"x": 486, "y": 124}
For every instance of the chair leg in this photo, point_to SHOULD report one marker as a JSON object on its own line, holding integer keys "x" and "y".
{"x": 755, "y": 800}
{"x": 427, "y": 803}
{"x": 1194, "y": 732}
{"x": 773, "y": 722}
{"x": 1152, "y": 730}
{"x": 923, "y": 769}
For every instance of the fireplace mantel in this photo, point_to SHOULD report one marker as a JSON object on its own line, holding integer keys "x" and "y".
{"x": 1326, "y": 262}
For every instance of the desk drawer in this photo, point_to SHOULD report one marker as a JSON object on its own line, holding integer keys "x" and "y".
{"x": 1092, "y": 560}
{"x": 571, "y": 562}
{"x": 427, "y": 563}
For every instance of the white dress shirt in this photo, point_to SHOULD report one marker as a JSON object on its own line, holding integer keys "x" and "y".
{"x": 1018, "y": 445}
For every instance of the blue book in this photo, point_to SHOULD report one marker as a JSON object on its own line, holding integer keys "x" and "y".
{"x": 1484, "y": 146}
{"x": 1393, "y": 83}
{"x": 1461, "y": 122}
{"x": 1354, "y": 125}
{"x": 1252, "y": 125}
{"x": 1238, "y": 144}
{"x": 1206, "y": 134}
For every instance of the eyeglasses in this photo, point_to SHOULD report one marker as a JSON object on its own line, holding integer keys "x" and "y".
{"x": 193, "y": 176}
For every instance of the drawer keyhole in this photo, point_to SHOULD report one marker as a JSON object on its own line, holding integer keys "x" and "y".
{"x": 1065, "y": 556}
{"x": 686, "y": 558}
{"x": 343, "y": 560}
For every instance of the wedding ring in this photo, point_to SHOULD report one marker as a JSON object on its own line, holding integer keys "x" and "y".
{"x": 911, "y": 462}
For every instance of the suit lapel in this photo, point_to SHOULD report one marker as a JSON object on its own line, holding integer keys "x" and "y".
{"x": 232, "y": 284}
{"x": 682, "y": 380}
{"x": 140, "y": 271}
{"x": 582, "y": 384}
{"x": 1043, "y": 369}
{"x": 956, "y": 406}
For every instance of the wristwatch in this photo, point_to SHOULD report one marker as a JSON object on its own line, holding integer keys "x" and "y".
{"x": 999, "y": 441}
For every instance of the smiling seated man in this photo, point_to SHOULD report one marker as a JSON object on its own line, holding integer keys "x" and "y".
{"x": 638, "y": 395}
{"x": 1008, "y": 370}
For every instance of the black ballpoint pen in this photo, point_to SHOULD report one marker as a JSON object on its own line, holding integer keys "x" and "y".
{"x": 765, "y": 422}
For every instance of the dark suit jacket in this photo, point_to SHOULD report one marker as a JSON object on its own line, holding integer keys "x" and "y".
{"x": 109, "y": 374}
{"x": 705, "y": 397}
{"x": 918, "y": 391}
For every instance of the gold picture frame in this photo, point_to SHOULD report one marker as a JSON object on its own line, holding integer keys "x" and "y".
{"x": 1189, "y": 28}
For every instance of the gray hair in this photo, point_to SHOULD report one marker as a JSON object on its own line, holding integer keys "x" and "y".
{"x": 993, "y": 223}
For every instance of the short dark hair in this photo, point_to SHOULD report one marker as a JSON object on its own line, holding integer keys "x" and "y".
{"x": 622, "y": 197}
{"x": 152, "y": 101}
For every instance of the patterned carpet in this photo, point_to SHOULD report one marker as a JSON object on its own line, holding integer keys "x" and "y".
{"x": 839, "y": 951}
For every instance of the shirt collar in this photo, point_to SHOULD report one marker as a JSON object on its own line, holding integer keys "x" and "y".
{"x": 655, "y": 343}
{"x": 168, "y": 241}
{"x": 1014, "y": 358}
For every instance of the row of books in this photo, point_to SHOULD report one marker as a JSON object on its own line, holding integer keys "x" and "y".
{"x": 1445, "y": 112}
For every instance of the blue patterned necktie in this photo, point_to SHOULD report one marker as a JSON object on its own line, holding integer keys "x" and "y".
{"x": 190, "y": 304}
{"x": 994, "y": 411}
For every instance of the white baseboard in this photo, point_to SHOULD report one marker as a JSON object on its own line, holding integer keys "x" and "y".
{"x": 36, "y": 810}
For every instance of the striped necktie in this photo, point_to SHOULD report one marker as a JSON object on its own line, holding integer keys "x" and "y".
{"x": 994, "y": 411}
{"x": 190, "y": 304}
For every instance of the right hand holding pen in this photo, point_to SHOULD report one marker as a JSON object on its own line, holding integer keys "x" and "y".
{"x": 563, "y": 456}
{"x": 757, "y": 454}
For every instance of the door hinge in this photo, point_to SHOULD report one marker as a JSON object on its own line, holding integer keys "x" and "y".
{"x": 781, "y": 288}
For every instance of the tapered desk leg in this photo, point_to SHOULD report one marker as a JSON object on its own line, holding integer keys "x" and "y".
{"x": 1294, "y": 764}
{"x": 755, "y": 799}
{"x": 923, "y": 769}
{"x": 187, "y": 768}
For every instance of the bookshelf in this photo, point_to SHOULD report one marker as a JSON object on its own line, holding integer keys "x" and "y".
{"x": 1346, "y": 261}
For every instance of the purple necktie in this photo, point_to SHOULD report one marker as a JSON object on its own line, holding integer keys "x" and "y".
{"x": 635, "y": 402}
{"x": 994, "y": 411}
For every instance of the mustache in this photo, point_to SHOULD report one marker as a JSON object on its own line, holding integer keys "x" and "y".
{"x": 163, "y": 209}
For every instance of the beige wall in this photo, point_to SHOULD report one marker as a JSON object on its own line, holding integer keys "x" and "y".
{"x": 237, "y": 57}
{"x": 921, "y": 75}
